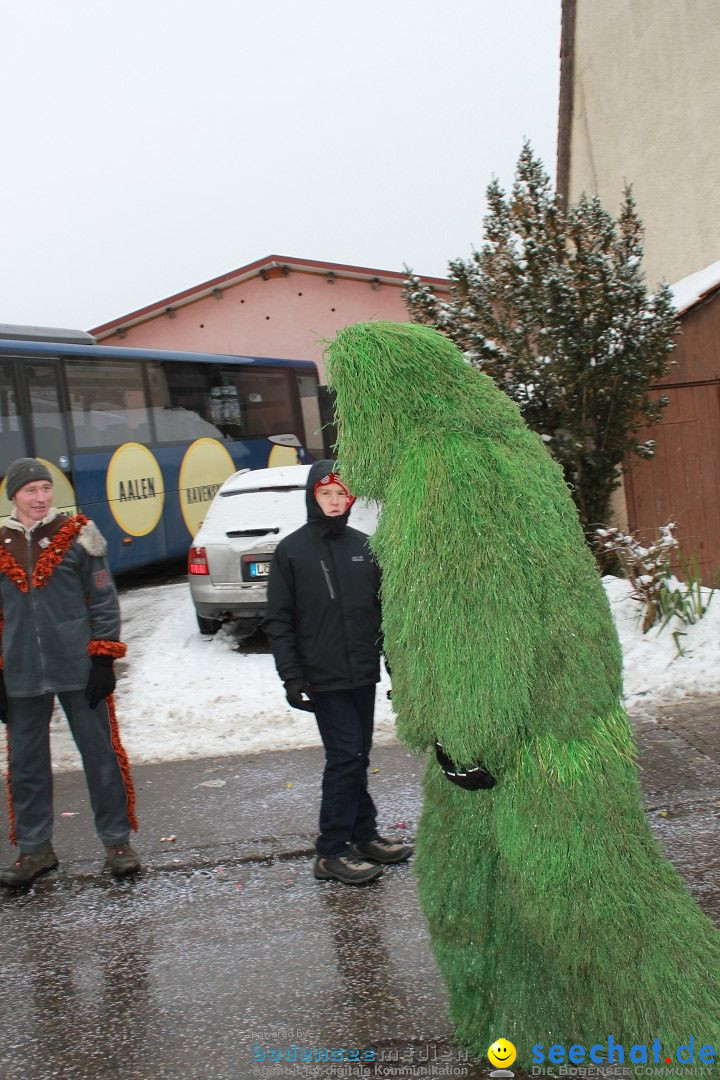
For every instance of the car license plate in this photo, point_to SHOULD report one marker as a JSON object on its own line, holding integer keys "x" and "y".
{"x": 259, "y": 569}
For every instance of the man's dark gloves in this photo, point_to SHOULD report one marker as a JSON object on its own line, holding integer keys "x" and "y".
{"x": 3, "y": 700}
{"x": 473, "y": 778}
{"x": 101, "y": 680}
{"x": 299, "y": 695}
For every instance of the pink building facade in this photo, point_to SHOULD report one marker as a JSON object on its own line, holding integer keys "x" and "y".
{"x": 277, "y": 306}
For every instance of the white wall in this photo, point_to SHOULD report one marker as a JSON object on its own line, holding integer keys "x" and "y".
{"x": 647, "y": 111}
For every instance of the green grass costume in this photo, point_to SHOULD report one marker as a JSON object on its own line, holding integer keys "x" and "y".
{"x": 553, "y": 914}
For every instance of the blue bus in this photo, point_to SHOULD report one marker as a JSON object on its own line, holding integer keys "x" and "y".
{"x": 141, "y": 439}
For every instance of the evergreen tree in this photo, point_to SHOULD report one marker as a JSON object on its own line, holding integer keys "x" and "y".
{"x": 554, "y": 308}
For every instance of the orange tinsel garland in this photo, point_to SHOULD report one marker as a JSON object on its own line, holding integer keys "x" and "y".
{"x": 57, "y": 550}
{"x": 11, "y": 568}
{"x": 123, "y": 762}
{"x": 53, "y": 554}
{"x": 101, "y": 647}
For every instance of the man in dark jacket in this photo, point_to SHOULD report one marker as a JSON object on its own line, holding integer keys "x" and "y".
{"x": 59, "y": 634}
{"x": 324, "y": 625}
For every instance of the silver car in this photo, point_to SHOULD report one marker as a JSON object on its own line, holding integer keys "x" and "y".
{"x": 229, "y": 561}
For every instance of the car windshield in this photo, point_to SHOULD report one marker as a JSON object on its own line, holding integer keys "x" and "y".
{"x": 280, "y": 508}
{"x": 255, "y": 491}
{"x": 261, "y": 508}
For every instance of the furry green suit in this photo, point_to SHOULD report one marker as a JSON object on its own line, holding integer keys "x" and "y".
{"x": 554, "y": 916}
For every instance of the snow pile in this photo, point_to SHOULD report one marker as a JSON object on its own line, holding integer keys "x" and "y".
{"x": 654, "y": 673}
{"x": 181, "y": 695}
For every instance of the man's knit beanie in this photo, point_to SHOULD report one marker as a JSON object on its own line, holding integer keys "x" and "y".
{"x": 24, "y": 471}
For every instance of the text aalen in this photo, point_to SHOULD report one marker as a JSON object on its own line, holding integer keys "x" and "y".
{"x": 141, "y": 487}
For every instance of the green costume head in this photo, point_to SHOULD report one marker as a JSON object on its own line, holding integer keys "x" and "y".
{"x": 486, "y": 574}
{"x": 398, "y": 382}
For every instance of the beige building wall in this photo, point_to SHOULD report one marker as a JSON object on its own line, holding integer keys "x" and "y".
{"x": 646, "y": 110}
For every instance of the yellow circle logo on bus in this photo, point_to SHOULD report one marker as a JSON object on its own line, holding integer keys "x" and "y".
{"x": 63, "y": 497}
{"x": 282, "y": 455}
{"x": 205, "y": 467}
{"x": 135, "y": 489}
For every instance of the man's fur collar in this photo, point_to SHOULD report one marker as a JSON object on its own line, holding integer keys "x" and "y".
{"x": 92, "y": 540}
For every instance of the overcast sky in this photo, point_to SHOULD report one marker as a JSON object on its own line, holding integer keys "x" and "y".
{"x": 152, "y": 144}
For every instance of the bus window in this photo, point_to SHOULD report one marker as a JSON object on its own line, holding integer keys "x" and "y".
{"x": 253, "y": 404}
{"x": 192, "y": 400}
{"x": 308, "y": 390}
{"x": 107, "y": 402}
{"x": 179, "y": 395}
{"x": 12, "y": 439}
{"x": 46, "y": 414}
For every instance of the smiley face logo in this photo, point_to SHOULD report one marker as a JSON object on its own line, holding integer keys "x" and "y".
{"x": 502, "y": 1053}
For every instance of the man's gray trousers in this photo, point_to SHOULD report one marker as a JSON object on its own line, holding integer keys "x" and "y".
{"x": 30, "y": 774}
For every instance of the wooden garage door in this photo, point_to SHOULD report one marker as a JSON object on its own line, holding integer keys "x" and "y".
{"x": 681, "y": 483}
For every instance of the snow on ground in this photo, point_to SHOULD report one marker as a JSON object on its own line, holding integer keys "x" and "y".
{"x": 181, "y": 695}
{"x": 653, "y": 670}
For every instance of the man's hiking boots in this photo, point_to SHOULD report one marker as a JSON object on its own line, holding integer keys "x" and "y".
{"x": 28, "y": 866}
{"x": 346, "y": 868}
{"x": 384, "y": 851}
{"x": 361, "y": 864}
{"x": 122, "y": 860}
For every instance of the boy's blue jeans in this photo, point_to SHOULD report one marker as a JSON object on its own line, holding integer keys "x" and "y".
{"x": 347, "y": 813}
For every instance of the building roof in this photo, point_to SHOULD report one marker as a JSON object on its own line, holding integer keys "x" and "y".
{"x": 269, "y": 266}
{"x": 17, "y": 332}
{"x": 695, "y": 288}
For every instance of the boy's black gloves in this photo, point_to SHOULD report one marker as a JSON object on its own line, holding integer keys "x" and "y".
{"x": 473, "y": 778}
{"x": 389, "y": 671}
{"x": 3, "y": 700}
{"x": 299, "y": 694}
{"x": 101, "y": 680}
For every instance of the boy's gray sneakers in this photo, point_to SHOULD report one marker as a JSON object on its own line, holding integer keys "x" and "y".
{"x": 28, "y": 866}
{"x": 384, "y": 851}
{"x": 346, "y": 868}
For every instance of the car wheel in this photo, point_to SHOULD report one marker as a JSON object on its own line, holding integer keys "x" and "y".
{"x": 208, "y": 626}
{"x": 245, "y": 628}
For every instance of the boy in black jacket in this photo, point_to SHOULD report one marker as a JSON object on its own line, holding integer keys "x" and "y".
{"x": 324, "y": 625}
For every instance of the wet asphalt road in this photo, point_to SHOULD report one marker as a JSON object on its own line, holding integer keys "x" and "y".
{"x": 227, "y": 943}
